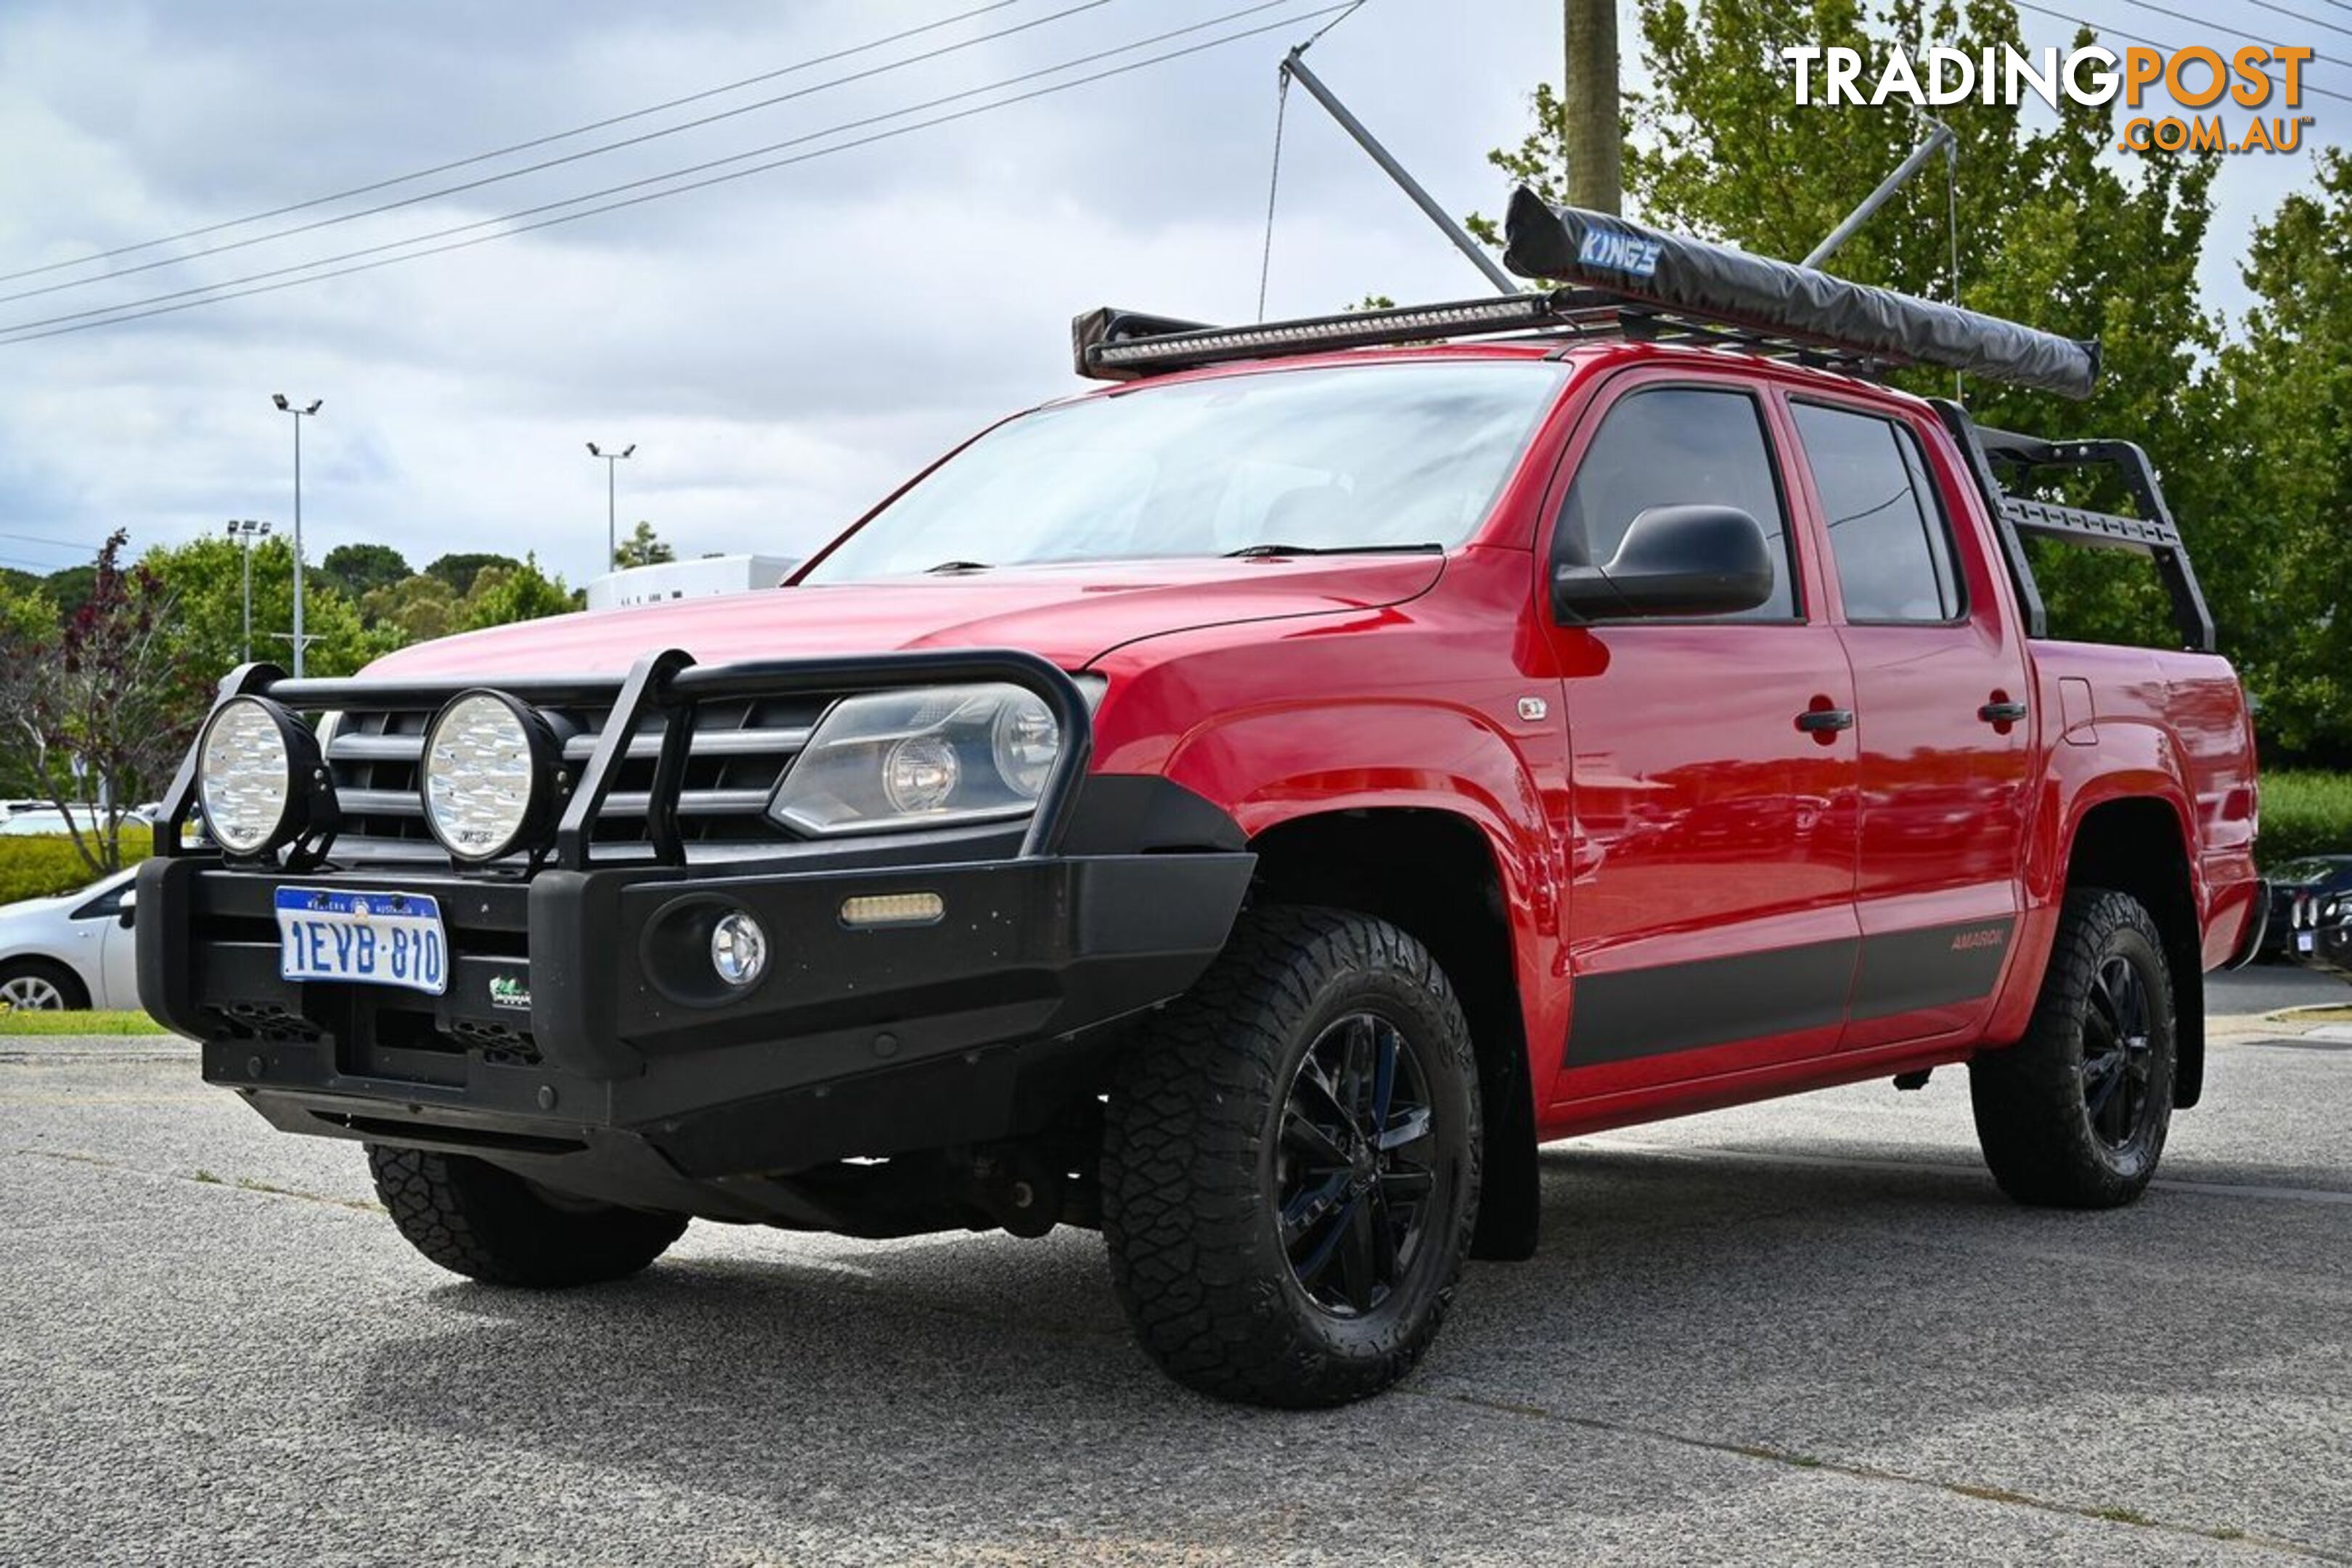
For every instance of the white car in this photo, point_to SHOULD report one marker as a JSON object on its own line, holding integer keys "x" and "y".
{"x": 76, "y": 951}
{"x": 47, "y": 822}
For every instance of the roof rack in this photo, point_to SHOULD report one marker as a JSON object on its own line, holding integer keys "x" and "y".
{"x": 2153, "y": 533}
{"x": 1628, "y": 280}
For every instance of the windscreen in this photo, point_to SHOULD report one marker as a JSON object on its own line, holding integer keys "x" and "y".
{"x": 1391, "y": 455}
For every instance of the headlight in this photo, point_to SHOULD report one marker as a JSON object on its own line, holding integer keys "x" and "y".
{"x": 488, "y": 774}
{"x": 246, "y": 780}
{"x": 936, "y": 755}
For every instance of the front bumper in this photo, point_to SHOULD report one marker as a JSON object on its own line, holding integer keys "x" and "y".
{"x": 585, "y": 1040}
{"x": 855, "y": 1043}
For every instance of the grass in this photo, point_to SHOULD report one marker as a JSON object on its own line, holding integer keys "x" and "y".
{"x": 2305, "y": 812}
{"x": 46, "y": 1022}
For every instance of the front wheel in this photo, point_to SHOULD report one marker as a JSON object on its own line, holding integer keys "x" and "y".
{"x": 1291, "y": 1159}
{"x": 2074, "y": 1115}
{"x": 473, "y": 1218}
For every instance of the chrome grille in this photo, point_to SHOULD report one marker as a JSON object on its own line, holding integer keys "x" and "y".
{"x": 740, "y": 747}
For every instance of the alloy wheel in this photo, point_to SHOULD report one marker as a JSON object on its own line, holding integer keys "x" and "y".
{"x": 2119, "y": 1062}
{"x": 1356, "y": 1165}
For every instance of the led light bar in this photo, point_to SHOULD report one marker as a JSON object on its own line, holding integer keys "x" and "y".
{"x": 1119, "y": 345}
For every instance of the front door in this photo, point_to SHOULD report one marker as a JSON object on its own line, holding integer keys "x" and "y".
{"x": 1713, "y": 772}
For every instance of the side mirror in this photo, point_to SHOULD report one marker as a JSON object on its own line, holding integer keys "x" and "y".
{"x": 127, "y": 907}
{"x": 1674, "y": 561}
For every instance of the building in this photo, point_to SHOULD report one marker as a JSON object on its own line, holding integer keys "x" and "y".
{"x": 701, "y": 579}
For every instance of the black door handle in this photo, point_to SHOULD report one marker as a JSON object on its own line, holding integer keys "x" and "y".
{"x": 1821, "y": 720}
{"x": 2002, "y": 712}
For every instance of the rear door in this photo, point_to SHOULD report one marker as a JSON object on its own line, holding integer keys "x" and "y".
{"x": 1940, "y": 695}
{"x": 1711, "y": 834}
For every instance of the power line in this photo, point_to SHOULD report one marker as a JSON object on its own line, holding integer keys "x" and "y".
{"x": 545, "y": 164}
{"x": 233, "y": 287}
{"x": 2230, "y": 32}
{"x": 59, "y": 544}
{"x": 2151, "y": 43}
{"x": 2299, "y": 16}
{"x": 535, "y": 142}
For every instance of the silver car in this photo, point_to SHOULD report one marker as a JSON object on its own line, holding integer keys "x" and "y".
{"x": 71, "y": 952}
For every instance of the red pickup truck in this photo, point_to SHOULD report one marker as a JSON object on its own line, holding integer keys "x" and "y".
{"x": 1249, "y": 809}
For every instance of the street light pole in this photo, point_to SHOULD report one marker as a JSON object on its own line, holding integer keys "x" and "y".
{"x": 245, "y": 530}
{"x": 300, "y": 642}
{"x": 612, "y": 533}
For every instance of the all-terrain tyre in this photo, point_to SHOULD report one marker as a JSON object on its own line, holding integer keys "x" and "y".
{"x": 1291, "y": 1162}
{"x": 473, "y": 1218}
{"x": 2074, "y": 1115}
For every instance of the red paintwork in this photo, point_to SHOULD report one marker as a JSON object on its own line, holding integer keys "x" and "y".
{"x": 1663, "y": 808}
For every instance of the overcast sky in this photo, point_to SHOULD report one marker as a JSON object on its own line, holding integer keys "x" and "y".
{"x": 783, "y": 348}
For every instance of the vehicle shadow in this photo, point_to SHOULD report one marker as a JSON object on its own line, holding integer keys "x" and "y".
{"x": 1692, "y": 1304}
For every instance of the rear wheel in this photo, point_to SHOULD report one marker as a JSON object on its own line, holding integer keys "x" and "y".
{"x": 473, "y": 1218}
{"x": 34, "y": 986}
{"x": 1290, "y": 1172}
{"x": 2075, "y": 1114}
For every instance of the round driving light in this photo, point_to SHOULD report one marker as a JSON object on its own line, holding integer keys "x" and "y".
{"x": 738, "y": 949}
{"x": 244, "y": 774}
{"x": 920, "y": 774}
{"x": 1026, "y": 741}
{"x": 488, "y": 770}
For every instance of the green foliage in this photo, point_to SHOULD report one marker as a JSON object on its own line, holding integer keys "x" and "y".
{"x": 414, "y": 609}
{"x": 71, "y": 587}
{"x": 356, "y": 570}
{"x": 207, "y": 578}
{"x": 459, "y": 570}
{"x": 2283, "y": 473}
{"x": 519, "y": 592}
{"x": 48, "y": 1022}
{"x": 101, "y": 707}
{"x": 2304, "y": 812}
{"x": 48, "y": 864}
{"x": 643, "y": 548}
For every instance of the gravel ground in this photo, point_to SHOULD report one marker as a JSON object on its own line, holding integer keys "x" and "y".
{"x": 1804, "y": 1332}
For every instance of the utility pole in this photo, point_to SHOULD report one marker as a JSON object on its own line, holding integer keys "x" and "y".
{"x": 611, "y": 534}
{"x": 300, "y": 642}
{"x": 245, "y": 530}
{"x": 1590, "y": 108}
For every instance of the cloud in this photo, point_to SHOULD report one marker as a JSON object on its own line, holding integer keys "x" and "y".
{"x": 784, "y": 348}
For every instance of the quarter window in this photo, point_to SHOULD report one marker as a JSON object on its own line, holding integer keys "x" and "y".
{"x": 1676, "y": 446}
{"x": 1888, "y": 533}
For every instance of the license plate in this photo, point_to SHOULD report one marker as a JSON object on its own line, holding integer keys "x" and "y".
{"x": 372, "y": 939}
{"x": 2305, "y": 940}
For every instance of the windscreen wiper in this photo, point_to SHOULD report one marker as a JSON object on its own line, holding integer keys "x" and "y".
{"x": 955, "y": 567}
{"x": 1425, "y": 548}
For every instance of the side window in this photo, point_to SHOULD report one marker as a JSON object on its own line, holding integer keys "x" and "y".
{"x": 1888, "y": 533}
{"x": 1676, "y": 446}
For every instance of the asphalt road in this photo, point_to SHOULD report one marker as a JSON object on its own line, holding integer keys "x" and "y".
{"x": 1810, "y": 1330}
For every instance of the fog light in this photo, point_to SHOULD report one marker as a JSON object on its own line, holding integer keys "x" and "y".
{"x": 892, "y": 910}
{"x": 738, "y": 949}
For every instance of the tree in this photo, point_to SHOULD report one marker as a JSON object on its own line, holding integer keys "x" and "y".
{"x": 643, "y": 548}
{"x": 504, "y": 595}
{"x": 70, "y": 588}
{"x": 207, "y": 576}
{"x": 412, "y": 610}
{"x": 2284, "y": 469}
{"x": 357, "y": 569}
{"x": 100, "y": 712}
{"x": 460, "y": 569}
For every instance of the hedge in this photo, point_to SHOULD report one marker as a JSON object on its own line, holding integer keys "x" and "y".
{"x": 2304, "y": 812}
{"x": 46, "y": 865}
